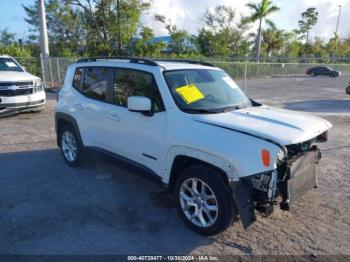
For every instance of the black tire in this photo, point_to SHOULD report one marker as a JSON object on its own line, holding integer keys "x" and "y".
{"x": 227, "y": 210}
{"x": 347, "y": 90}
{"x": 69, "y": 129}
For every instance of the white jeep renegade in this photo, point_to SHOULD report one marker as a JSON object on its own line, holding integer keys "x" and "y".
{"x": 187, "y": 123}
{"x": 19, "y": 90}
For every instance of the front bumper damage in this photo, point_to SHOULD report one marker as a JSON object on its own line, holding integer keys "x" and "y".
{"x": 293, "y": 177}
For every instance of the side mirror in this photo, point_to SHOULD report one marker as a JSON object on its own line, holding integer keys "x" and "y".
{"x": 140, "y": 104}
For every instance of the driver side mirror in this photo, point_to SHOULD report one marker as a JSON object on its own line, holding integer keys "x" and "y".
{"x": 140, "y": 104}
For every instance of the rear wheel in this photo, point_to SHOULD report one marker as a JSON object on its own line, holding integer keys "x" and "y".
{"x": 348, "y": 90}
{"x": 204, "y": 200}
{"x": 71, "y": 147}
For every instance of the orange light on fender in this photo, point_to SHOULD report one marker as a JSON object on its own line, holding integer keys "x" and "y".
{"x": 265, "y": 157}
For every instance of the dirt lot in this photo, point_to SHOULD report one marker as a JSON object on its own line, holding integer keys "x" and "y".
{"x": 105, "y": 208}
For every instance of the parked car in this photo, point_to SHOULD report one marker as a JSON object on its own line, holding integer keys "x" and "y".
{"x": 323, "y": 71}
{"x": 347, "y": 90}
{"x": 19, "y": 90}
{"x": 189, "y": 125}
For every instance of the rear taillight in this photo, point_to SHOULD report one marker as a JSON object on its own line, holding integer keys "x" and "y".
{"x": 323, "y": 137}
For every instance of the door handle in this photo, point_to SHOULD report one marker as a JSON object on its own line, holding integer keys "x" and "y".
{"x": 114, "y": 116}
{"x": 78, "y": 107}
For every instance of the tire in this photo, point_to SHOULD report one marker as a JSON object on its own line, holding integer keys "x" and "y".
{"x": 71, "y": 147}
{"x": 217, "y": 193}
{"x": 347, "y": 90}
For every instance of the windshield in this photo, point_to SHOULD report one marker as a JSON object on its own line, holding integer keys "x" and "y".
{"x": 8, "y": 64}
{"x": 205, "y": 91}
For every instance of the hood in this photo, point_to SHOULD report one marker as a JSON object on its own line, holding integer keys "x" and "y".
{"x": 279, "y": 125}
{"x": 10, "y": 76}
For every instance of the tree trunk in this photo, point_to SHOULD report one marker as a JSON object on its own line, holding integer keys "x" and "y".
{"x": 258, "y": 42}
{"x": 119, "y": 29}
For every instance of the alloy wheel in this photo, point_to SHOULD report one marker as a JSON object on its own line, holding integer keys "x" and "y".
{"x": 198, "y": 202}
{"x": 69, "y": 146}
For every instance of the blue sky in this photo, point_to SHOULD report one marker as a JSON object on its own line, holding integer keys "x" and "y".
{"x": 187, "y": 14}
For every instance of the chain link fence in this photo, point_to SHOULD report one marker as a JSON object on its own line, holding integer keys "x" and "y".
{"x": 52, "y": 70}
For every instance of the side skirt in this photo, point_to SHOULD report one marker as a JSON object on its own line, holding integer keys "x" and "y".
{"x": 130, "y": 165}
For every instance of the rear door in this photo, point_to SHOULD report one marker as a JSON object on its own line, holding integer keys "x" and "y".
{"x": 134, "y": 135}
{"x": 90, "y": 105}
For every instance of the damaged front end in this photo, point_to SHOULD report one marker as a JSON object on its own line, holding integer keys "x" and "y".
{"x": 295, "y": 175}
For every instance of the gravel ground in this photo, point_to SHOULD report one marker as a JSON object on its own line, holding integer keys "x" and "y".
{"x": 105, "y": 207}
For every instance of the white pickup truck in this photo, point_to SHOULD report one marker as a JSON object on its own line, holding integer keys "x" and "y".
{"x": 187, "y": 123}
{"x": 19, "y": 90}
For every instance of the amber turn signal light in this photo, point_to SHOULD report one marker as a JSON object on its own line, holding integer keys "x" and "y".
{"x": 265, "y": 157}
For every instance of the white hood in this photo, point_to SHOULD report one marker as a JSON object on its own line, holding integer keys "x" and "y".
{"x": 11, "y": 76}
{"x": 282, "y": 126}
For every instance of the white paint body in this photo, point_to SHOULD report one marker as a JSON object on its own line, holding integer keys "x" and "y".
{"x": 219, "y": 139}
{"x": 19, "y": 101}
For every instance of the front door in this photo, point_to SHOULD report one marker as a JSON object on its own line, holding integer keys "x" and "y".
{"x": 134, "y": 135}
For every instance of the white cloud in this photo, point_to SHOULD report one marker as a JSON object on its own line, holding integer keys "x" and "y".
{"x": 187, "y": 14}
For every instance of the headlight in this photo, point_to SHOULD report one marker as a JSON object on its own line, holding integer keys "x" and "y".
{"x": 39, "y": 86}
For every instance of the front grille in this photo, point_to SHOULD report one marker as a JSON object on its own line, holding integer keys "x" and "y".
{"x": 19, "y": 84}
{"x": 17, "y": 92}
{"x": 21, "y": 88}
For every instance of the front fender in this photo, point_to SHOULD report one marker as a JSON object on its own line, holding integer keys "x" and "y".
{"x": 230, "y": 169}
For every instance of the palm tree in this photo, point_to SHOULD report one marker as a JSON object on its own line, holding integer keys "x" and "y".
{"x": 260, "y": 12}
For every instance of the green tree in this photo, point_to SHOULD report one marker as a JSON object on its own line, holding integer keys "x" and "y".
{"x": 221, "y": 35}
{"x": 145, "y": 46}
{"x": 6, "y": 38}
{"x": 260, "y": 12}
{"x": 274, "y": 41}
{"x": 309, "y": 19}
{"x": 181, "y": 41}
{"x": 65, "y": 24}
{"x": 110, "y": 24}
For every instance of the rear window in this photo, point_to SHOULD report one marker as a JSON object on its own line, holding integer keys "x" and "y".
{"x": 78, "y": 75}
{"x": 95, "y": 82}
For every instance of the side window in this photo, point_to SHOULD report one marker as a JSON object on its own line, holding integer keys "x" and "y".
{"x": 95, "y": 82}
{"x": 129, "y": 82}
{"x": 78, "y": 75}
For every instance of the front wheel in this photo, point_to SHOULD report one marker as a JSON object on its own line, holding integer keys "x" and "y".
{"x": 71, "y": 147}
{"x": 204, "y": 201}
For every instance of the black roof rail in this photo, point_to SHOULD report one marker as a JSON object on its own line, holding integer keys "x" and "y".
{"x": 186, "y": 61}
{"x": 131, "y": 59}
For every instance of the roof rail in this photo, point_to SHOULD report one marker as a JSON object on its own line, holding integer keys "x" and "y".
{"x": 186, "y": 61}
{"x": 131, "y": 59}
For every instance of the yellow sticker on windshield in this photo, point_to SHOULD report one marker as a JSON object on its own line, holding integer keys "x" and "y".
{"x": 190, "y": 93}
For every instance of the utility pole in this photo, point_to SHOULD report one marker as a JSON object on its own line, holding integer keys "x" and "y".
{"x": 44, "y": 42}
{"x": 336, "y": 30}
{"x": 336, "y": 35}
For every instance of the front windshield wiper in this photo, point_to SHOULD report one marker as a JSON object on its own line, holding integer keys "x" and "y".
{"x": 201, "y": 111}
{"x": 231, "y": 108}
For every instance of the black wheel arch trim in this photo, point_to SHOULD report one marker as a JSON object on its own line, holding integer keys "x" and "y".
{"x": 67, "y": 118}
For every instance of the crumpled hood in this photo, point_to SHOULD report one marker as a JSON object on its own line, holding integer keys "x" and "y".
{"x": 279, "y": 125}
{"x": 9, "y": 76}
